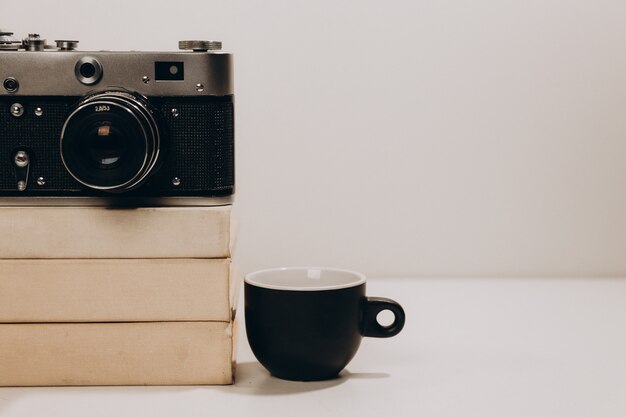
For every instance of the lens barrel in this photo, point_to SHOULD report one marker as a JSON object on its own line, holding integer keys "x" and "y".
{"x": 111, "y": 141}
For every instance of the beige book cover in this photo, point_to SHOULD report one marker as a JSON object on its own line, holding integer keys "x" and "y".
{"x": 101, "y": 232}
{"x": 158, "y": 353}
{"x": 109, "y": 290}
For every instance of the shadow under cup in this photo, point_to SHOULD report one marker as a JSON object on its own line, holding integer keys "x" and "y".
{"x": 306, "y": 324}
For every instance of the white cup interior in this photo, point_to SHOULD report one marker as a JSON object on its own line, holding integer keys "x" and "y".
{"x": 305, "y": 279}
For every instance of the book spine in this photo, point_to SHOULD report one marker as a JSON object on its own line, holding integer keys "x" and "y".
{"x": 158, "y": 353}
{"x": 96, "y": 232}
{"x": 115, "y": 290}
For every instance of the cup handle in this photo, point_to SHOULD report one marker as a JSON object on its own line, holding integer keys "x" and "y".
{"x": 371, "y": 326}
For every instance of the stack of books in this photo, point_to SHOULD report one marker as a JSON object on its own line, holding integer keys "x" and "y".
{"x": 116, "y": 296}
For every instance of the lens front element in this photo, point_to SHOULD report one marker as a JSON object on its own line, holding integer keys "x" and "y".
{"x": 106, "y": 145}
{"x": 110, "y": 142}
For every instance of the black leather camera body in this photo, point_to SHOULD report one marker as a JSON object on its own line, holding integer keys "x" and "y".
{"x": 108, "y": 123}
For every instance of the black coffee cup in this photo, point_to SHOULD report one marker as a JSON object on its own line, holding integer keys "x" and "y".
{"x": 306, "y": 323}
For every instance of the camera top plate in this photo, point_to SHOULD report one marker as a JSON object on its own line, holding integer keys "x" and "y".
{"x": 39, "y": 69}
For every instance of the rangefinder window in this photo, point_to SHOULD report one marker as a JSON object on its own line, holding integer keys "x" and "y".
{"x": 169, "y": 71}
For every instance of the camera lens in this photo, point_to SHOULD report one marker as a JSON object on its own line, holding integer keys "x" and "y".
{"x": 11, "y": 85}
{"x": 111, "y": 141}
{"x": 87, "y": 70}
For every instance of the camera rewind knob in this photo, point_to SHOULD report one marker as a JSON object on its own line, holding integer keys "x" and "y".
{"x": 199, "y": 45}
{"x": 8, "y": 42}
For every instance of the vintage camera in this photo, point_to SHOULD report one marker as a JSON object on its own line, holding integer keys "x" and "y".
{"x": 115, "y": 124}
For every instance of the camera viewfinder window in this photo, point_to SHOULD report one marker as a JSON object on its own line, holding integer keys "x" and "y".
{"x": 169, "y": 71}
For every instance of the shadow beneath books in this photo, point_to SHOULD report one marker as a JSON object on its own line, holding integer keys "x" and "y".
{"x": 253, "y": 379}
{"x": 81, "y": 396}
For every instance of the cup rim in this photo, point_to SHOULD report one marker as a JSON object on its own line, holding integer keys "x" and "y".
{"x": 250, "y": 276}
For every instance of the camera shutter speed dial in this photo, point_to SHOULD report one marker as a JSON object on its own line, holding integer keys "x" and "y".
{"x": 66, "y": 44}
{"x": 199, "y": 45}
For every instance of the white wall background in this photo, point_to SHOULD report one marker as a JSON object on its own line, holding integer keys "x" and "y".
{"x": 433, "y": 137}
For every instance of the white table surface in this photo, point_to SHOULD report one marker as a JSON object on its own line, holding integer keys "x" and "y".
{"x": 471, "y": 347}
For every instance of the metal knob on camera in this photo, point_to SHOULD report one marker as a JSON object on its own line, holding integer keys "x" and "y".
{"x": 34, "y": 43}
{"x": 199, "y": 45}
{"x": 8, "y": 42}
{"x": 66, "y": 45}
